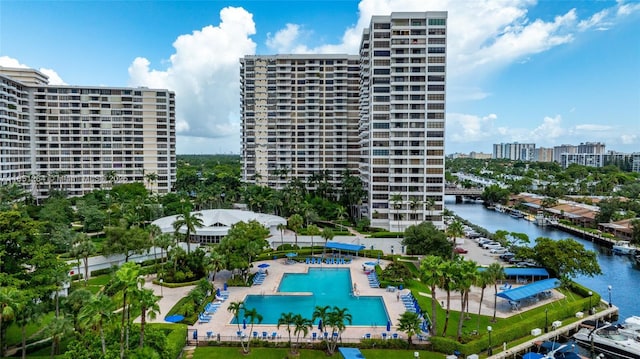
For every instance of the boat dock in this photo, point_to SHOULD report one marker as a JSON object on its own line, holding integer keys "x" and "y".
{"x": 593, "y": 237}
{"x": 563, "y": 331}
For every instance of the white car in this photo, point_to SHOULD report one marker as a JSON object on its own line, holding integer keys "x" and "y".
{"x": 498, "y": 250}
{"x": 491, "y": 245}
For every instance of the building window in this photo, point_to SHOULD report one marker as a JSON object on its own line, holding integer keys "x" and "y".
{"x": 437, "y": 22}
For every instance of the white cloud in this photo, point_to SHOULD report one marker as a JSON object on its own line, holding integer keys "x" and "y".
{"x": 628, "y": 139}
{"x": 204, "y": 74}
{"x": 465, "y": 128}
{"x": 592, "y": 127}
{"x": 284, "y": 40}
{"x": 549, "y": 129}
{"x": 54, "y": 78}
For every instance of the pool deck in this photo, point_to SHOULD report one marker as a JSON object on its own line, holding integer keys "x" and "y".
{"x": 221, "y": 319}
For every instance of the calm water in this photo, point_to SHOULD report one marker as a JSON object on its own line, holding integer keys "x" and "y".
{"x": 617, "y": 271}
{"x": 328, "y": 286}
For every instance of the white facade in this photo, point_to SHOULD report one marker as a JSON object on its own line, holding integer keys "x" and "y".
{"x": 299, "y": 117}
{"x": 402, "y": 118}
{"x": 515, "y": 151}
{"x": 77, "y": 138}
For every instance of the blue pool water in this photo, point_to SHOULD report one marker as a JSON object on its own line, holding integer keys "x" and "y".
{"x": 318, "y": 287}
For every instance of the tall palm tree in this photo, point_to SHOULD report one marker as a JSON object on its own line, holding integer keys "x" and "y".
{"x": 302, "y": 326}
{"x": 482, "y": 281}
{"x": 128, "y": 280}
{"x": 450, "y": 273}
{"x": 149, "y": 308}
{"x": 396, "y": 202}
{"x": 312, "y": 230}
{"x": 454, "y": 230}
{"x": 154, "y": 232}
{"x": 252, "y": 316}
{"x": 281, "y": 227}
{"x": 286, "y": 319}
{"x": 496, "y": 274}
{"x": 335, "y": 320}
{"x": 236, "y": 308}
{"x": 414, "y": 205}
{"x": 409, "y": 323}
{"x": 328, "y": 235}
{"x": 190, "y": 221}
{"x": 27, "y": 311}
{"x": 83, "y": 247}
{"x": 321, "y": 313}
{"x": 294, "y": 223}
{"x": 432, "y": 274}
{"x": 98, "y": 312}
{"x": 431, "y": 205}
{"x": 466, "y": 277}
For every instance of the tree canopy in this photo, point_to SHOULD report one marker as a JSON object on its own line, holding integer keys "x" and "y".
{"x": 425, "y": 238}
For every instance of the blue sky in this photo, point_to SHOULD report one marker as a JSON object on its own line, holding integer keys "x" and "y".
{"x": 547, "y": 72}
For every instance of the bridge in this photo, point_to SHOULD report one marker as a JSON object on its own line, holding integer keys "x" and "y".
{"x": 460, "y": 193}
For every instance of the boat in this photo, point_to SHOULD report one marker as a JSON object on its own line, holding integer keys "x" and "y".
{"x": 624, "y": 247}
{"x": 609, "y": 340}
{"x": 516, "y": 214}
{"x": 541, "y": 219}
{"x": 555, "y": 350}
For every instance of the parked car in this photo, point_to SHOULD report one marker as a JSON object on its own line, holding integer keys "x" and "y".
{"x": 460, "y": 250}
{"x": 483, "y": 241}
{"x": 491, "y": 245}
{"x": 499, "y": 250}
{"x": 506, "y": 256}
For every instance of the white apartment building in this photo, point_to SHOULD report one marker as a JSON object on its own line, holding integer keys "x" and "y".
{"x": 402, "y": 118}
{"x": 79, "y": 138}
{"x": 515, "y": 151}
{"x": 299, "y": 117}
{"x": 379, "y": 114}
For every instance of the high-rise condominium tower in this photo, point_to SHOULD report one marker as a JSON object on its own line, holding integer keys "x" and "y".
{"x": 379, "y": 114}
{"x": 402, "y": 124}
{"x": 77, "y": 138}
{"x": 299, "y": 118}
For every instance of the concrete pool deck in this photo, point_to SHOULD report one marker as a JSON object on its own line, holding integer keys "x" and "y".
{"x": 221, "y": 319}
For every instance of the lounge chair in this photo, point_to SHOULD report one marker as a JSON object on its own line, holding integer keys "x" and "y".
{"x": 307, "y": 260}
{"x": 367, "y": 336}
{"x": 274, "y": 335}
{"x": 395, "y": 336}
{"x": 209, "y": 334}
{"x": 314, "y": 335}
{"x": 264, "y": 335}
{"x": 384, "y": 335}
{"x": 255, "y": 335}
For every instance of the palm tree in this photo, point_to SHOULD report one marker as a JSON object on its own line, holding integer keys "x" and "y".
{"x": 450, "y": 273}
{"x": 8, "y": 296}
{"x": 127, "y": 279}
{"x": 148, "y": 307}
{"x": 286, "y": 319}
{"x": 154, "y": 232}
{"x": 466, "y": 278}
{"x": 454, "y": 230}
{"x": 56, "y": 330}
{"x": 295, "y": 222}
{"x": 396, "y": 202}
{"x": 302, "y": 325}
{"x": 151, "y": 178}
{"x": 98, "y": 312}
{"x": 328, "y": 235}
{"x": 84, "y": 248}
{"x": 431, "y": 204}
{"x": 335, "y": 319}
{"x": 190, "y": 221}
{"x": 281, "y": 227}
{"x": 321, "y": 313}
{"x": 496, "y": 274}
{"x": 409, "y": 323}
{"x": 312, "y": 230}
{"x": 252, "y": 316}
{"x": 236, "y": 308}
{"x": 482, "y": 281}
{"x": 432, "y": 274}
{"x": 28, "y": 312}
{"x": 414, "y": 205}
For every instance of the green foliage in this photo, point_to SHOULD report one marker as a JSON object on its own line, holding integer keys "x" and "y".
{"x": 425, "y": 238}
{"x": 566, "y": 258}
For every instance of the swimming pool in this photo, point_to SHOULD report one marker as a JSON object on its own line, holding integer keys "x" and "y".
{"x": 318, "y": 287}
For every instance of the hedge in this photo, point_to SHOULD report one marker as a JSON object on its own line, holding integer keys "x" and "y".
{"x": 176, "y": 337}
{"x": 175, "y": 285}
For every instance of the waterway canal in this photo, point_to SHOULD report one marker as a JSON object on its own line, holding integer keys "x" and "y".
{"x": 617, "y": 271}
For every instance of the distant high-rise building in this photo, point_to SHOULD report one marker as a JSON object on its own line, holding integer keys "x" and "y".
{"x": 544, "y": 154}
{"x": 514, "y": 151}
{"x": 79, "y": 138}
{"x": 379, "y": 114}
{"x": 586, "y": 154}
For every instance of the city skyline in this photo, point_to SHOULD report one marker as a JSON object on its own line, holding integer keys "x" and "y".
{"x": 548, "y": 72}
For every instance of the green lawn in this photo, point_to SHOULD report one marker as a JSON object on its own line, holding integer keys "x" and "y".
{"x": 279, "y": 353}
{"x": 13, "y": 335}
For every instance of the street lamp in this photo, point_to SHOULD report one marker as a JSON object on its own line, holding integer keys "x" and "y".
{"x": 610, "y": 305}
{"x": 490, "y": 350}
{"x": 590, "y": 306}
{"x": 546, "y": 320}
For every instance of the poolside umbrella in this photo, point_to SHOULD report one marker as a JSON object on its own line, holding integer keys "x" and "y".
{"x": 225, "y": 285}
{"x": 320, "y": 325}
{"x": 291, "y": 254}
{"x": 388, "y": 325}
{"x": 370, "y": 263}
{"x": 263, "y": 265}
{"x": 244, "y": 324}
{"x": 217, "y": 291}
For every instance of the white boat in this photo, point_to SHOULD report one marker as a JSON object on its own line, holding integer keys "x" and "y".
{"x": 624, "y": 247}
{"x": 609, "y": 340}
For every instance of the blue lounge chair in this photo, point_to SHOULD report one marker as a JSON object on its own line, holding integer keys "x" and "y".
{"x": 209, "y": 334}
{"x": 274, "y": 335}
{"x": 314, "y": 335}
{"x": 264, "y": 335}
{"x": 368, "y": 335}
{"x": 384, "y": 335}
{"x": 255, "y": 335}
{"x": 307, "y": 260}
{"x": 395, "y": 335}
